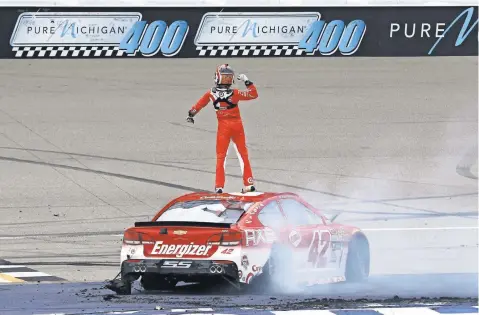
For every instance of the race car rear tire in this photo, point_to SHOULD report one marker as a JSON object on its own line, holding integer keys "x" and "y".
{"x": 120, "y": 286}
{"x": 275, "y": 273}
{"x": 155, "y": 282}
{"x": 358, "y": 260}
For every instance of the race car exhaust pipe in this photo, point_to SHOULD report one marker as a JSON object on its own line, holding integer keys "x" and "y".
{"x": 216, "y": 269}
{"x": 140, "y": 268}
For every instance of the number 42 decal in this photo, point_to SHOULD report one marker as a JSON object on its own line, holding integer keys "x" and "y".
{"x": 319, "y": 247}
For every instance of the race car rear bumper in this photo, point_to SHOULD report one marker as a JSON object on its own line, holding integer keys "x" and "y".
{"x": 172, "y": 267}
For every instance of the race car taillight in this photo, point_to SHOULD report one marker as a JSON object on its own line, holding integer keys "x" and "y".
{"x": 131, "y": 237}
{"x": 225, "y": 239}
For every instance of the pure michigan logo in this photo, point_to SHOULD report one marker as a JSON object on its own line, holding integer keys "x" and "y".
{"x": 327, "y": 38}
{"x": 464, "y": 33}
{"x": 156, "y": 37}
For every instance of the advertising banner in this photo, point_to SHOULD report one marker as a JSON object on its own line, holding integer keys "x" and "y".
{"x": 238, "y": 32}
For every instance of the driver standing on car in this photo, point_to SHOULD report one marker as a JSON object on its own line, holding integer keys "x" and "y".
{"x": 230, "y": 125}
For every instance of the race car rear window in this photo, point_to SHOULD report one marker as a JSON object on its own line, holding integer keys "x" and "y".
{"x": 211, "y": 211}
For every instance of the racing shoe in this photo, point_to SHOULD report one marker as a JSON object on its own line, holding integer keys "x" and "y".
{"x": 248, "y": 189}
{"x": 219, "y": 190}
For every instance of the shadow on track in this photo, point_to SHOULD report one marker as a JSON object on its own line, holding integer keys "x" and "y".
{"x": 387, "y": 290}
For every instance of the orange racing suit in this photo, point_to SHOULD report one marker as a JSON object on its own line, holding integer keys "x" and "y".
{"x": 230, "y": 127}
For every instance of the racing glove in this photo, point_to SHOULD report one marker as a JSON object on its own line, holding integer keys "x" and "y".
{"x": 244, "y": 78}
{"x": 190, "y": 119}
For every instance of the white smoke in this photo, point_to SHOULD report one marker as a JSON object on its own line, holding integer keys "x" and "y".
{"x": 412, "y": 192}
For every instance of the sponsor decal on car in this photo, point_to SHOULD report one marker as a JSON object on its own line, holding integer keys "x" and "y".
{"x": 249, "y": 277}
{"x": 180, "y": 232}
{"x": 339, "y": 235}
{"x": 176, "y": 264}
{"x": 295, "y": 238}
{"x": 259, "y": 236}
{"x": 244, "y": 261}
{"x": 319, "y": 250}
{"x": 180, "y": 250}
{"x": 218, "y": 197}
{"x": 254, "y": 209}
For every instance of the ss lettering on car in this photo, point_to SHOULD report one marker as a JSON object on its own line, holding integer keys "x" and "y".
{"x": 176, "y": 264}
{"x": 318, "y": 249}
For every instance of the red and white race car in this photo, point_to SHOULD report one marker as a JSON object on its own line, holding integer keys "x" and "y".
{"x": 262, "y": 239}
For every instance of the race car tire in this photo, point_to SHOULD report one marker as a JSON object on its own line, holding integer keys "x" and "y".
{"x": 120, "y": 286}
{"x": 358, "y": 260}
{"x": 274, "y": 276}
{"x": 154, "y": 282}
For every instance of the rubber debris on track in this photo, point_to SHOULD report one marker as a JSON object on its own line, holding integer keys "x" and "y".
{"x": 457, "y": 310}
{"x": 11, "y": 273}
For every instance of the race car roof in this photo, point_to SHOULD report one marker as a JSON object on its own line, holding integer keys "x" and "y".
{"x": 236, "y": 196}
{"x": 250, "y": 196}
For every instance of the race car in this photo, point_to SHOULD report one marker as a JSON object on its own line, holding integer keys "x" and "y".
{"x": 259, "y": 239}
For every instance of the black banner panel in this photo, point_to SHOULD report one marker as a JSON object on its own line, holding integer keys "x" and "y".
{"x": 238, "y": 32}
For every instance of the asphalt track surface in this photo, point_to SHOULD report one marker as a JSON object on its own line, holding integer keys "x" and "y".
{"x": 87, "y": 147}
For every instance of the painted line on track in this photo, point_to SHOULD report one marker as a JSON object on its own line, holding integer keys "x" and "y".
{"x": 8, "y": 279}
{"x": 406, "y": 311}
{"x": 5, "y": 266}
{"x": 307, "y": 312}
{"x": 456, "y": 310}
{"x": 185, "y": 310}
{"x": 11, "y": 273}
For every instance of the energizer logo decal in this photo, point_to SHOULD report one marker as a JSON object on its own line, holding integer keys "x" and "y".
{"x": 180, "y": 250}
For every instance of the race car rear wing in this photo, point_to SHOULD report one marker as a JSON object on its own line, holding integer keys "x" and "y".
{"x": 182, "y": 223}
